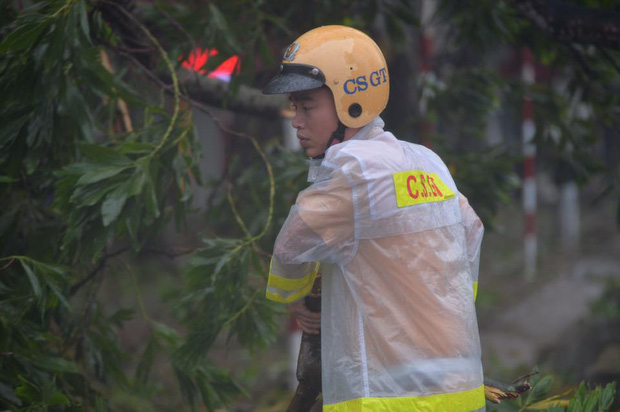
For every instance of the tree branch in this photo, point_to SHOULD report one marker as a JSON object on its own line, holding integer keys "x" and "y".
{"x": 245, "y": 99}
{"x": 100, "y": 265}
{"x": 198, "y": 89}
{"x": 572, "y": 23}
{"x": 170, "y": 253}
{"x": 202, "y": 91}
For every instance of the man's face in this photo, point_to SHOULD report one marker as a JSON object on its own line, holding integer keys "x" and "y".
{"x": 315, "y": 119}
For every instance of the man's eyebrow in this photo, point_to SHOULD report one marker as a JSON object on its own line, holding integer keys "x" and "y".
{"x": 300, "y": 98}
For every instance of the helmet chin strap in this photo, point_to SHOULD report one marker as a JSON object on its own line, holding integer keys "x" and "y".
{"x": 337, "y": 135}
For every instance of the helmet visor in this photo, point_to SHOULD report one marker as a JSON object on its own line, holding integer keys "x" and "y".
{"x": 295, "y": 78}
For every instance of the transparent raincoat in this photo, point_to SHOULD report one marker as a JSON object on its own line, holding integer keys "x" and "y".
{"x": 398, "y": 247}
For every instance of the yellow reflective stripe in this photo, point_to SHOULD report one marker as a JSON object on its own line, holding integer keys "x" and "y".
{"x": 414, "y": 187}
{"x": 291, "y": 284}
{"x": 465, "y": 401}
{"x": 475, "y": 290}
{"x": 301, "y": 286}
{"x": 276, "y": 297}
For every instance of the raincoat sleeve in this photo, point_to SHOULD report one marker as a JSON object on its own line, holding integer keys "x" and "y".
{"x": 319, "y": 228}
{"x": 474, "y": 230}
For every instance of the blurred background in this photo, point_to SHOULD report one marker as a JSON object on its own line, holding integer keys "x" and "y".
{"x": 144, "y": 177}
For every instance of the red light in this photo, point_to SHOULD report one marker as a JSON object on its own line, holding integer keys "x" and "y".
{"x": 198, "y": 58}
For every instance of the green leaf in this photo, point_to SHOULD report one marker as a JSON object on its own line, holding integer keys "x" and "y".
{"x": 121, "y": 315}
{"x": 34, "y": 281}
{"x": 137, "y": 182}
{"x": 24, "y": 36}
{"x": 113, "y": 204}
{"x": 94, "y": 173}
{"x": 136, "y": 147}
{"x": 608, "y": 395}
{"x": 576, "y": 403}
{"x": 216, "y": 387}
{"x": 104, "y": 155}
{"x": 7, "y": 179}
{"x": 186, "y": 384}
{"x": 150, "y": 198}
{"x": 58, "y": 293}
{"x": 70, "y": 28}
{"x": 169, "y": 334}
{"x": 590, "y": 402}
{"x": 540, "y": 390}
{"x": 55, "y": 364}
{"x": 27, "y": 390}
{"x": 55, "y": 44}
{"x": 90, "y": 195}
{"x": 146, "y": 362}
{"x": 84, "y": 20}
{"x": 59, "y": 399}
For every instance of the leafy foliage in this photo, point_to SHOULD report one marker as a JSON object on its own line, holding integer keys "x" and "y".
{"x": 575, "y": 95}
{"x": 78, "y": 184}
{"x": 583, "y": 398}
{"x": 94, "y": 188}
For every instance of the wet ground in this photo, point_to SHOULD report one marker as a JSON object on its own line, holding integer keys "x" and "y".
{"x": 519, "y": 334}
{"x": 523, "y": 323}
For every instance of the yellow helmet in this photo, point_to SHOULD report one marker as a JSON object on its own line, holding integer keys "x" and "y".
{"x": 344, "y": 59}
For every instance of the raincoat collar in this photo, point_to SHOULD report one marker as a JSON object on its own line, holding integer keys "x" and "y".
{"x": 313, "y": 169}
{"x": 367, "y": 132}
{"x": 371, "y": 130}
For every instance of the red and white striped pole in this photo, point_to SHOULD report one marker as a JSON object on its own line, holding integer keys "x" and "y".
{"x": 528, "y": 76}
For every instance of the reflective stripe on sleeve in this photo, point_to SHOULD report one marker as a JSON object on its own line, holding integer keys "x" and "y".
{"x": 464, "y": 401}
{"x": 286, "y": 290}
{"x": 475, "y": 290}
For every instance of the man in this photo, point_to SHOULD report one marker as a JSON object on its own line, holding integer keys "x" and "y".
{"x": 397, "y": 244}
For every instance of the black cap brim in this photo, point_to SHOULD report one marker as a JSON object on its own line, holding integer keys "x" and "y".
{"x": 294, "y": 78}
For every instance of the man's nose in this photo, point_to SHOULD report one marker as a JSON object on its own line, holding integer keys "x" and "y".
{"x": 297, "y": 121}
